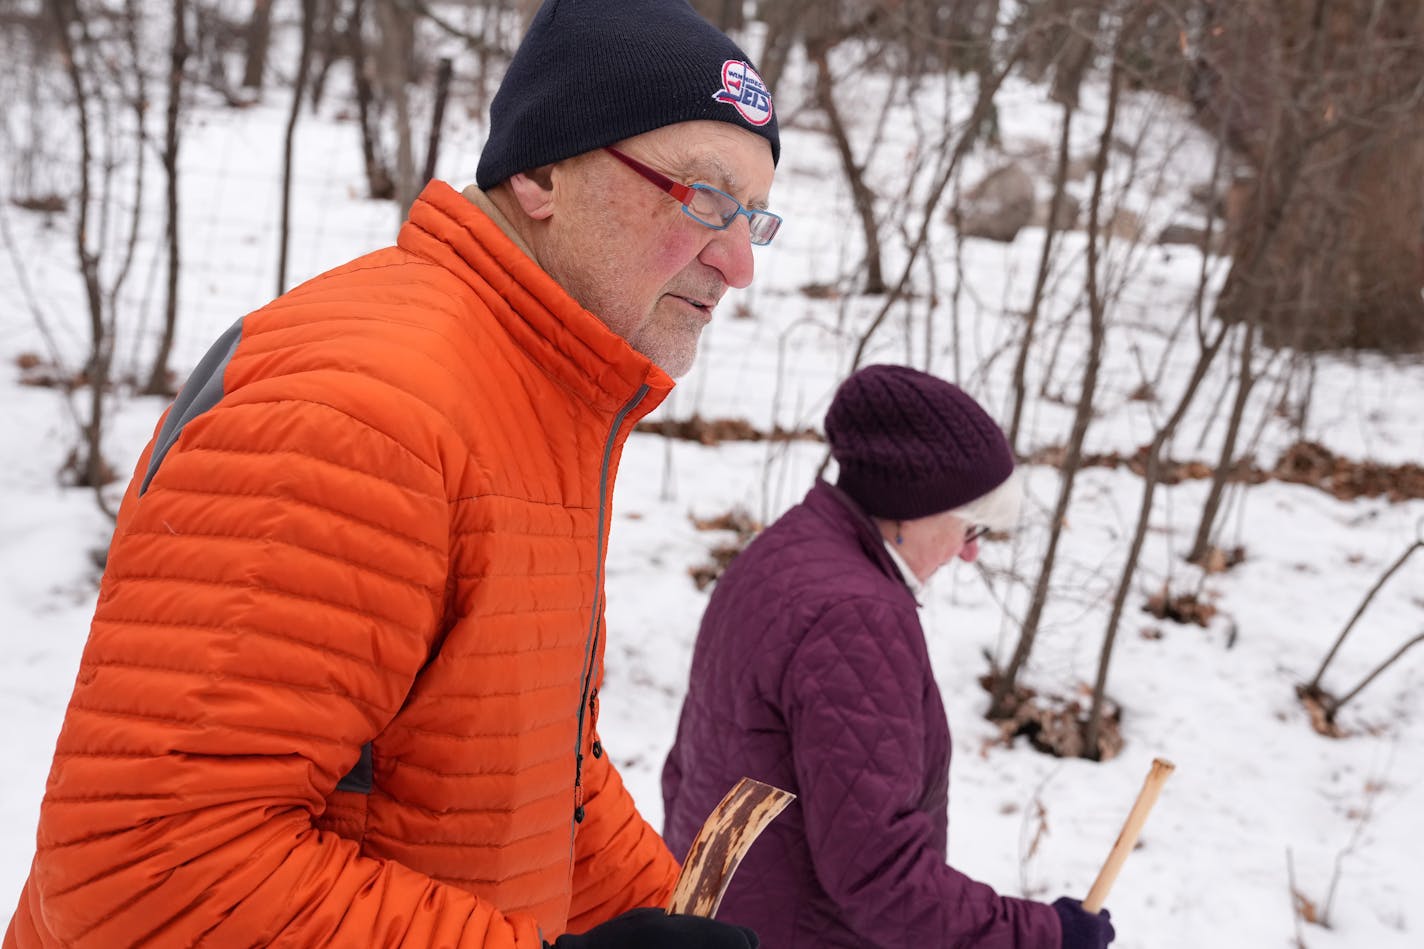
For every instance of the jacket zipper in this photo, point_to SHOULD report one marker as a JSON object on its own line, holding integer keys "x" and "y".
{"x": 594, "y": 624}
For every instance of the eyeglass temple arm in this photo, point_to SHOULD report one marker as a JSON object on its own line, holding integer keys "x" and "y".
{"x": 680, "y": 192}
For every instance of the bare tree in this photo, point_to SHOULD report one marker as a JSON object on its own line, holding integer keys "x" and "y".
{"x": 1004, "y": 696}
{"x": 259, "y": 40}
{"x": 437, "y": 118}
{"x": 1292, "y": 147}
{"x": 726, "y": 15}
{"x": 159, "y": 382}
{"x": 395, "y": 71}
{"x": 784, "y": 20}
{"x": 388, "y": 43}
{"x": 1332, "y": 93}
{"x": 1313, "y": 689}
{"x": 217, "y": 38}
{"x": 379, "y": 182}
{"x": 1209, "y": 346}
{"x": 1061, "y": 42}
{"x": 1045, "y": 261}
{"x": 1073, "y": 35}
{"x": 823, "y": 35}
{"x": 963, "y": 138}
{"x": 861, "y": 195}
{"x": 1081, "y": 24}
{"x": 1289, "y": 156}
{"x": 1246, "y": 378}
{"x": 1333, "y": 705}
{"x": 299, "y": 85}
{"x": 89, "y": 71}
{"x": 328, "y": 46}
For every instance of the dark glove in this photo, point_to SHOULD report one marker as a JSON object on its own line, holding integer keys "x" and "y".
{"x": 1082, "y": 929}
{"x": 651, "y": 928}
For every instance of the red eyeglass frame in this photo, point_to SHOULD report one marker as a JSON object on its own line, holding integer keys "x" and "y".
{"x": 684, "y": 194}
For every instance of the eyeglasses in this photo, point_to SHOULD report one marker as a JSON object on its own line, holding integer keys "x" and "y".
{"x": 707, "y": 205}
{"x": 973, "y": 532}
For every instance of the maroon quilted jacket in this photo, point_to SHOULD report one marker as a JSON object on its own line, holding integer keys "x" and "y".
{"x": 811, "y": 673}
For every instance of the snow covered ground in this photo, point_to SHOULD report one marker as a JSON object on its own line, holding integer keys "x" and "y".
{"x": 1256, "y": 790}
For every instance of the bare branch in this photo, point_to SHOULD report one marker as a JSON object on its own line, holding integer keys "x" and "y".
{"x": 1314, "y": 684}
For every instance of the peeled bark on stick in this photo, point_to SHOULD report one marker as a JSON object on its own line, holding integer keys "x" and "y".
{"x": 719, "y": 846}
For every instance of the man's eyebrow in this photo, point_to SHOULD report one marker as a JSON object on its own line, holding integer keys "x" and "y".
{"x": 714, "y": 171}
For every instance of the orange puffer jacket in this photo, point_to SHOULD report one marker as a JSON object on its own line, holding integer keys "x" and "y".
{"x": 341, "y": 684}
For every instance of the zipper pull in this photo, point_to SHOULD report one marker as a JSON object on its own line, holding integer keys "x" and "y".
{"x": 593, "y": 722}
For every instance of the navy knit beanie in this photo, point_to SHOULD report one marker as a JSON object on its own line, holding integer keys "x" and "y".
{"x": 909, "y": 444}
{"x": 594, "y": 72}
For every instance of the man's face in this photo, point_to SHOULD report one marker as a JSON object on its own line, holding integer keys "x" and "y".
{"x": 625, "y": 250}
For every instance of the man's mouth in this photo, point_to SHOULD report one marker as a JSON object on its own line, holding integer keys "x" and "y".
{"x": 704, "y": 305}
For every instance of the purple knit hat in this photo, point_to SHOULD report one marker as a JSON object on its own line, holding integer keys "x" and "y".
{"x": 910, "y": 444}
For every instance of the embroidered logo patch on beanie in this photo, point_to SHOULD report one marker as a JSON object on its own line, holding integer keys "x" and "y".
{"x": 743, "y": 88}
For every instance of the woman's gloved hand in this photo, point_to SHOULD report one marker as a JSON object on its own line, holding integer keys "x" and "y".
{"x": 651, "y": 928}
{"x": 1082, "y": 929}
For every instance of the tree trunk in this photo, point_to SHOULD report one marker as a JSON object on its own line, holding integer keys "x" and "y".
{"x": 1044, "y": 25}
{"x": 726, "y": 15}
{"x": 298, "y": 87}
{"x": 861, "y": 194}
{"x": 1314, "y": 684}
{"x": 983, "y": 105}
{"x": 88, "y": 466}
{"x": 1150, "y": 479}
{"x": 328, "y": 48}
{"x": 1076, "y": 55}
{"x": 785, "y": 24}
{"x": 966, "y": 32}
{"x": 1154, "y": 452}
{"x": 158, "y": 381}
{"x": 379, "y": 185}
{"x": 1340, "y": 81}
{"x": 437, "y": 118}
{"x": 396, "y": 59}
{"x": 259, "y": 40}
{"x": 1385, "y": 265}
{"x": 1226, "y": 461}
{"x": 1004, "y": 695}
{"x": 1333, "y": 707}
{"x": 1040, "y": 282}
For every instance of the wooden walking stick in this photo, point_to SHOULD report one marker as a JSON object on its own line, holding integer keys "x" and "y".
{"x": 1127, "y": 839}
{"x": 722, "y": 842}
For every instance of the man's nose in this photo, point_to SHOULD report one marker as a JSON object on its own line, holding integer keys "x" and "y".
{"x": 730, "y": 253}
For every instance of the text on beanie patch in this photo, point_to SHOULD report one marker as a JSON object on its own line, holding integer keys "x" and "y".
{"x": 743, "y": 88}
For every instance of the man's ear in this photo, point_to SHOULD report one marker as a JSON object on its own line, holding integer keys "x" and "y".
{"x": 534, "y": 190}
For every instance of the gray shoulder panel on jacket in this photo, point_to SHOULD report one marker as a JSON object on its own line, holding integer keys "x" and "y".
{"x": 200, "y": 393}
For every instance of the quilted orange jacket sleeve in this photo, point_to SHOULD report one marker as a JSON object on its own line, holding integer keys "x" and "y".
{"x": 222, "y": 696}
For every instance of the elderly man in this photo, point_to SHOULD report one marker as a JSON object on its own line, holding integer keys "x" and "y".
{"x": 341, "y": 686}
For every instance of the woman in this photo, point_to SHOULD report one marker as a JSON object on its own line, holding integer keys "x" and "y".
{"x": 811, "y": 673}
